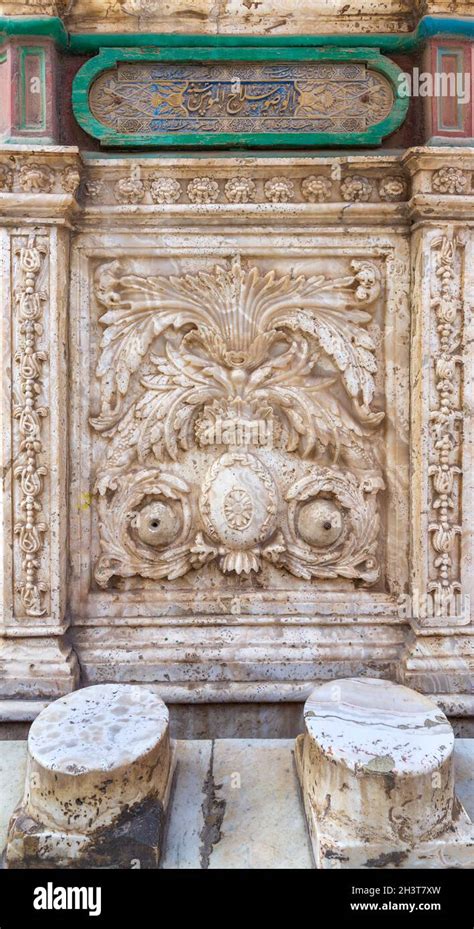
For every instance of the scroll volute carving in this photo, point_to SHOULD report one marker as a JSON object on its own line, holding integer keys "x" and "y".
{"x": 260, "y": 376}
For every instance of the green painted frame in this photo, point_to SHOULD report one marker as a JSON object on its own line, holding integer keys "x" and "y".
{"x": 108, "y": 58}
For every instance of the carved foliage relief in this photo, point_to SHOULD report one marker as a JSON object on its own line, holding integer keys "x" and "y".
{"x": 446, "y": 416}
{"x": 30, "y": 256}
{"x": 240, "y": 422}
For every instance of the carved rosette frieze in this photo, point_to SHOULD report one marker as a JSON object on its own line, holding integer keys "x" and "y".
{"x": 446, "y": 418}
{"x": 450, "y": 180}
{"x": 238, "y": 373}
{"x": 29, "y": 413}
{"x": 144, "y": 187}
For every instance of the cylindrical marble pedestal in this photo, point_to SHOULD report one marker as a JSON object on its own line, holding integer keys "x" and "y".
{"x": 377, "y": 774}
{"x": 97, "y": 782}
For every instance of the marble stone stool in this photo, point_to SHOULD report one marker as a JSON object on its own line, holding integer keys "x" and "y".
{"x": 376, "y": 769}
{"x": 100, "y": 766}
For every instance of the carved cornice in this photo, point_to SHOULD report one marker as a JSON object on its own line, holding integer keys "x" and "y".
{"x": 390, "y": 25}
{"x": 39, "y": 182}
{"x": 56, "y": 183}
{"x": 422, "y": 183}
{"x": 442, "y": 183}
{"x": 243, "y": 184}
{"x": 243, "y": 190}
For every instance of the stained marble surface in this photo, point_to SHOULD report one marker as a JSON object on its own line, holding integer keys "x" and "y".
{"x": 239, "y": 16}
{"x": 107, "y": 726}
{"x": 369, "y": 722}
{"x": 376, "y": 767}
{"x": 94, "y": 757}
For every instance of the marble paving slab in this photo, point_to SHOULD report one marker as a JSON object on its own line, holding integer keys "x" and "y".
{"x": 12, "y": 779}
{"x": 236, "y": 802}
{"x": 185, "y": 821}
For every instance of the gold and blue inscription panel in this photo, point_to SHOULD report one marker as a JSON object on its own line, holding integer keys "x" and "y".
{"x": 241, "y": 97}
{"x": 124, "y": 97}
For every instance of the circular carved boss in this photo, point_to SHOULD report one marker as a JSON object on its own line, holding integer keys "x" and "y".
{"x": 155, "y": 524}
{"x": 320, "y": 522}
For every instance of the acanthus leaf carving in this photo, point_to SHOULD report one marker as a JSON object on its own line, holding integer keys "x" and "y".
{"x": 354, "y": 552}
{"x": 247, "y": 359}
{"x": 123, "y": 551}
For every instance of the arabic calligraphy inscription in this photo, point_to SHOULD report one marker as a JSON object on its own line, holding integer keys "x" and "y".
{"x": 151, "y": 98}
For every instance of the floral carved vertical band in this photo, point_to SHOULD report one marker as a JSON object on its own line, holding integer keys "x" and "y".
{"x": 446, "y": 419}
{"x": 30, "y": 470}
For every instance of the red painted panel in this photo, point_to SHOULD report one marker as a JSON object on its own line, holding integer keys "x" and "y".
{"x": 451, "y": 64}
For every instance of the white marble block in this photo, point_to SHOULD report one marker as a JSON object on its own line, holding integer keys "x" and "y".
{"x": 376, "y": 766}
{"x": 100, "y": 766}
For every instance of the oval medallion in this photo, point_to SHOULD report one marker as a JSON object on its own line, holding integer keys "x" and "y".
{"x": 239, "y": 501}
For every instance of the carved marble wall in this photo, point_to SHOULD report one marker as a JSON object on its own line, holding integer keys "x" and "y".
{"x": 236, "y": 423}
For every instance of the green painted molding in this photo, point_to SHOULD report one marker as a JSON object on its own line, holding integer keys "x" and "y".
{"x": 87, "y": 43}
{"x": 109, "y": 57}
{"x": 46, "y": 27}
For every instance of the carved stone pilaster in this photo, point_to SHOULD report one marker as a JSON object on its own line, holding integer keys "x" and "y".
{"x": 35, "y": 210}
{"x": 32, "y": 594}
{"x": 438, "y": 457}
{"x": 439, "y": 657}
